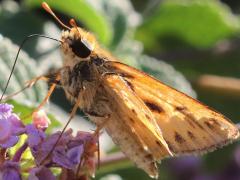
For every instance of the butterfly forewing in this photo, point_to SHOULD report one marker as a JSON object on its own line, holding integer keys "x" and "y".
{"x": 135, "y": 115}
{"x": 131, "y": 125}
{"x": 187, "y": 125}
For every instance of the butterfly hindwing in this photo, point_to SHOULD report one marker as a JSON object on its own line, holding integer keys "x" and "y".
{"x": 187, "y": 125}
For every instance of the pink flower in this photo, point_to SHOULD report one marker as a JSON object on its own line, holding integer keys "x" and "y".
{"x": 40, "y": 119}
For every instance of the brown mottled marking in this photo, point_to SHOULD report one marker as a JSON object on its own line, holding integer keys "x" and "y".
{"x": 131, "y": 119}
{"x": 180, "y": 108}
{"x": 158, "y": 143}
{"x": 153, "y": 106}
{"x": 126, "y": 75}
{"x": 133, "y": 110}
{"x": 148, "y": 156}
{"x": 170, "y": 146}
{"x": 189, "y": 116}
{"x": 198, "y": 124}
{"x": 190, "y": 134}
{"x": 190, "y": 122}
{"x": 209, "y": 124}
{"x": 214, "y": 121}
{"x": 147, "y": 116}
{"x": 178, "y": 138}
{"x": 130, "y": 85}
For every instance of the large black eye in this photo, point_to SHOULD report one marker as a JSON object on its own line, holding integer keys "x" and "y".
{"x": 79, "y": 48}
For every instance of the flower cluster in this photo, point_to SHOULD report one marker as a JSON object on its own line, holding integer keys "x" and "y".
{"x": 74, "y": 155}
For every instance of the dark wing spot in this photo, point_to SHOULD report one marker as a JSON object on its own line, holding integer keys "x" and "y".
{"x": 130, "y": 85}
{"x": 190, "y": 134}
{"x": 215, "y": 122}
{"x": 209, "y": 124}
{"x": 131, "y": 119}
{"x": 190, "y": 122}
{"x": 198, "y": 124}
{"x": 180, "y": 108}
{"x": 133, "y": 110}
{"x": 148, "y": 156}
{"x": 158, "y": 143}
{"x": 152, "y": 106}
{"x": 170, "y": 146}
{"x": 147, "y": 116}
{"x": 126, "y": 75}
{"x": 178, "y": 138}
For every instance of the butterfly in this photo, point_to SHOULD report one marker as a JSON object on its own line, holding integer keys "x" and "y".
{"x": 147, "y": 119}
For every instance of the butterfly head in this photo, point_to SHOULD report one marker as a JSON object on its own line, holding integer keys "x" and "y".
{"x": 76, "y": 42}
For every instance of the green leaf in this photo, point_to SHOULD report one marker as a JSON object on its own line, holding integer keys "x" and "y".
{"x": 83, "y": 11}
{"x": 195, "y": 23}
{"x": 166, "y": 73}
{"x": 16, "y": 24}
{"x": 123, "y": 18}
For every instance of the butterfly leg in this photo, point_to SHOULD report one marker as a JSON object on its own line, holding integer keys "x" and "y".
{"x": 72, "y": 114}
{"x": 28, "y": 84}
{"x": 102, "y": 125}
{"x": 50, "y": 91}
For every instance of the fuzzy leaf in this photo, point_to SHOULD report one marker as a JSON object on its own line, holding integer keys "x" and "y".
{"x": 197, "y": 23}
{"x": 25, "y": 70}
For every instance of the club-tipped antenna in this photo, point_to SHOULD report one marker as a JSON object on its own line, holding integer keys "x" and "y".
{"x": 73, "y": 23}
{"x": 49, "y": 10}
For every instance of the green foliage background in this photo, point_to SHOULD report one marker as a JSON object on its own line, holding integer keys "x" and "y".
{"x": 177, "y": 41}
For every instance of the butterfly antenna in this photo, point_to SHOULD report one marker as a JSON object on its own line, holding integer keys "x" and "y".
{"x": 73, "y": 23}
{"x": 19, "y": 49}
{"x": 46, "y": 7}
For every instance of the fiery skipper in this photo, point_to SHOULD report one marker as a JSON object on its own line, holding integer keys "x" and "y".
{"x": 147, "y": 119}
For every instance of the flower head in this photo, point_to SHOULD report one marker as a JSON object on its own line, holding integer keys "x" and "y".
{"x": 10, "y": 170}
{"x": 10, "y": 126}
{"x": 40, "y": 173}
{"x": 40, "y": 119}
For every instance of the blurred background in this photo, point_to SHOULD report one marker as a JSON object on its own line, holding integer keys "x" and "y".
{"x": 192, "y": 45}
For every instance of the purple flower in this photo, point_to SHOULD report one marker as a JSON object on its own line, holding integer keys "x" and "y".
{"x": 10, "y": 170}
{"x": 10, "y": 126}
{"x": 42, "y": 149}
{"x": 41, "y": 173}
{"x": 35, "y": 136}
{"x": 69, "y": 152}
{"x": 186, "y": 167}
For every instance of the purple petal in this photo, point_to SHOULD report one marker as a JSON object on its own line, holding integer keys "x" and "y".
{"x": 18, "y": 127}
{"x": 5, "y": 130}
{"x": 75, "y": 154}
{"x": 41, "y": 173}
{"x": 12, "y": 140}
{"x": 6, "y": 108}
{"x": 10, "y": 170}
{"x": 60, "y": 158}
{"x": 35, "y": 136}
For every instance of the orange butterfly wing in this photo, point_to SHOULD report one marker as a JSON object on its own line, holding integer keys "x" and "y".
{"x": 132, "y": 125}
{"x": 135, "y": 115}
{"x": 187, "y": 125}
